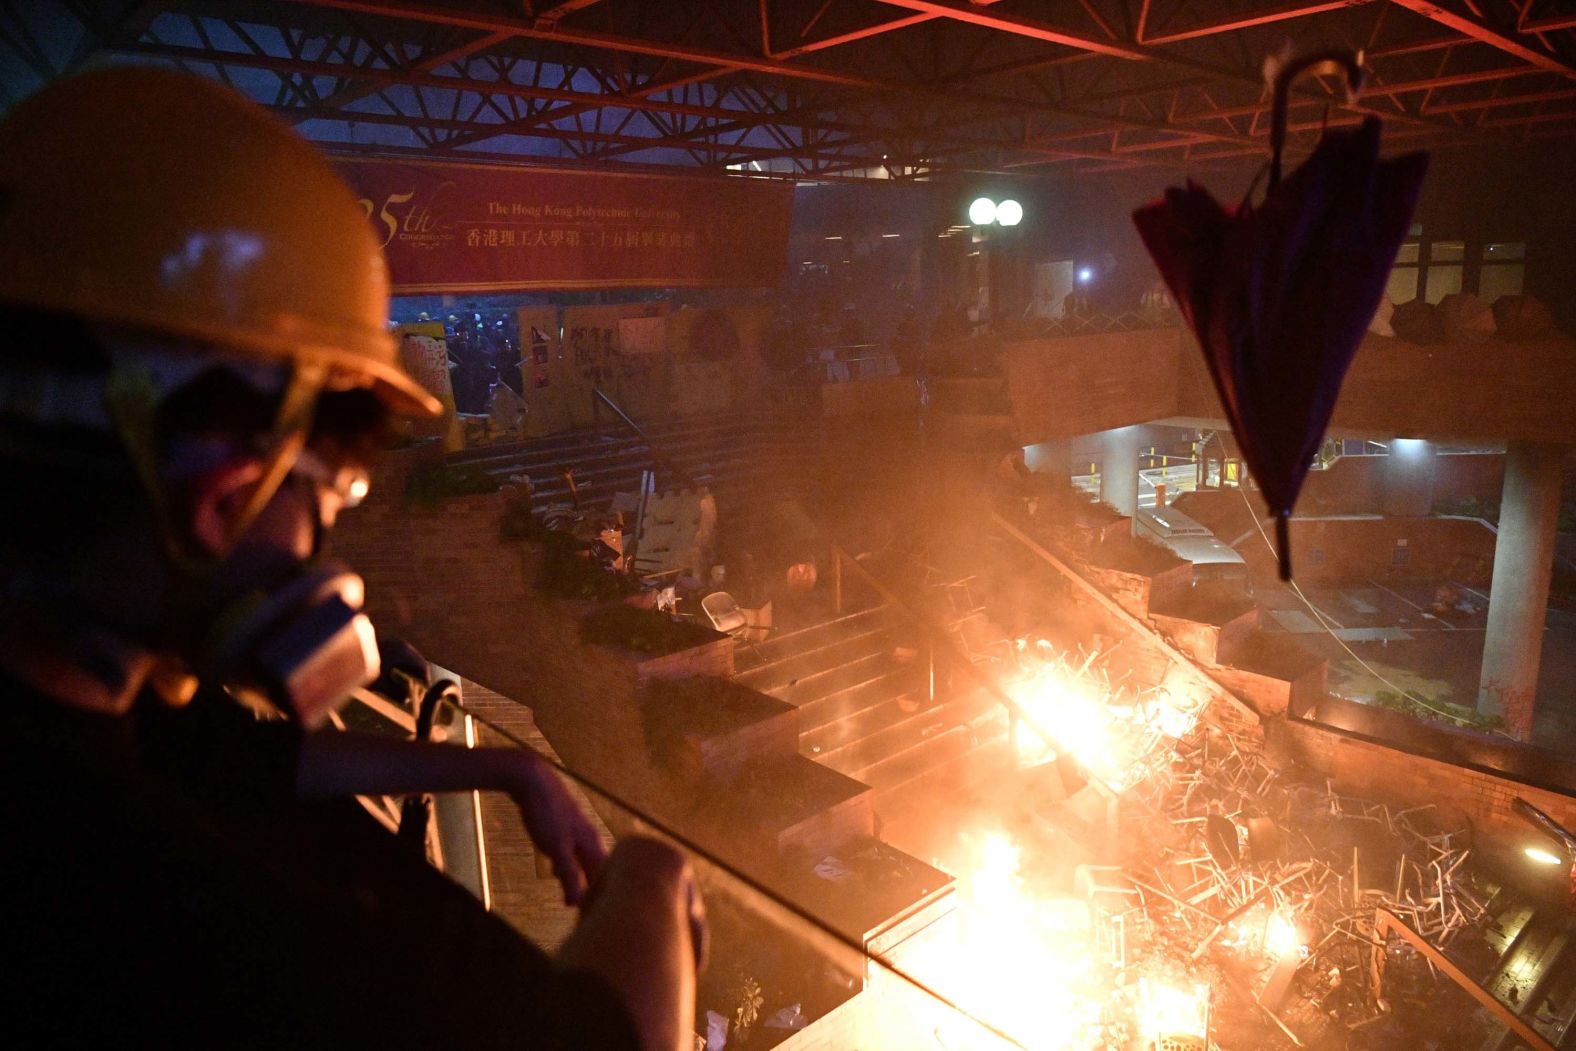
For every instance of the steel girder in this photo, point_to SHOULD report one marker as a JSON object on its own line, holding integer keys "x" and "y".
{"x": 814, "y": 88}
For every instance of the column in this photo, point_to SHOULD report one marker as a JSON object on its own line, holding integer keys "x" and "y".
{"x": 1052, "y": 459}
{"x": 1409, "y": 478}
{"x": 1119, "y": 468}
{"x": 1519, "y": 594}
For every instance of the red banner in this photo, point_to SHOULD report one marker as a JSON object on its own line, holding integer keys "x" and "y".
{"x": 481, "y": 228}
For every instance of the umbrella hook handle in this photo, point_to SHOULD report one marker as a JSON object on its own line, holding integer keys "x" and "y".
{"x": 1317, "y": 63}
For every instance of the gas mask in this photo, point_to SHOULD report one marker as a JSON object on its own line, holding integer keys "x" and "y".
{"x": 281, "y": 631}
{"x": 299, "y": 649}
{"x": 300, "y": 645}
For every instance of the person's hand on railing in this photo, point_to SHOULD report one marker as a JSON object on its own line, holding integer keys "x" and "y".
{"x": 643, "y": 931}
{"x": 557, "y": 825}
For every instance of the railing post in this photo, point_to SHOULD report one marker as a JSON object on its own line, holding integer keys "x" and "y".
{"x": 837, "y": 581}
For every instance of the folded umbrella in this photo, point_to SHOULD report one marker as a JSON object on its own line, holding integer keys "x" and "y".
{"x": 1280, "y": 294}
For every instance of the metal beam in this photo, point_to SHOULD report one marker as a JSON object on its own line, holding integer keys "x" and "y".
{"x": 586, "y": 38}
{"x": 426, "y": 64}
{"x": 412, "y": 78}
{"x": 732, "y": 151}
{"x": 1496, "y": 101}
{"x": 851, "y": 36}
{"x": 1544, "y": 25}
{"x": 1475, "y": 29}
{"x": 1247, "y": 21}
{"x": 561, "y": 9}
{"x": 981, "y": 16}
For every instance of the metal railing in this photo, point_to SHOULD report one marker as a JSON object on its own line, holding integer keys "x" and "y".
{"x": 939, "y": 642}
{"x": 660, "y": 458}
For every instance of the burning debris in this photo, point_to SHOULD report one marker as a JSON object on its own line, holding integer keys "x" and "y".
{"x": 1239, "y": 907}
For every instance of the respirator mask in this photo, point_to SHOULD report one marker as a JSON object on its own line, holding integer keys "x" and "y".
{"x": 261, "y": 611}
{"x": 300, "y": 644}
{"x": 299, "y": 650}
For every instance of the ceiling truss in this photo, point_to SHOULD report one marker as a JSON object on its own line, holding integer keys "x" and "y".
{"x": 819, "y": 89}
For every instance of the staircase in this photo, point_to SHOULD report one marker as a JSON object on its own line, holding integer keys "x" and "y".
{"x": 861, "y": 689}
{"x": 1534, "y": 971}
{"x": 735, "y": 456}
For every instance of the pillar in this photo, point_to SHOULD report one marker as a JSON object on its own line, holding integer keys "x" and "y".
{"x": 1119, "y": 468}
{"x": 1409, "y": 478}
{"x": 1052, "y": 459}
{"x": 1519, "y": 594}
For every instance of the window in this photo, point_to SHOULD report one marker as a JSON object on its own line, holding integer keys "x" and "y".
{"x": 1402, "y": 287}
{"x": 1502, "y": 270}
{"x": 1444, "y": 269}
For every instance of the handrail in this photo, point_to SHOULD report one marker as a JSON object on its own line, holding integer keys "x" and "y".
{"x": 937, "y": 635}
{"x": 1179, "y": 659}
{"x": 1386, "y": 922}
{"x": 659, "y": 456}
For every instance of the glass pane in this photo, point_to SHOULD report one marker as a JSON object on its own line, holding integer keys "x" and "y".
{"x": 1408, "y": 253}
{"x": 1447, "y": 251}
{"x": 791, "y": 946}
{"x": 1501, "y": 251}
{"x": 1496, "y": 281}
{"x": 1402, "y": 287}
{"x": 1442, "y": 281}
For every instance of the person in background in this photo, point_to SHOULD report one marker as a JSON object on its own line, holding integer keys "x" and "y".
{"x": 195, "y": 375}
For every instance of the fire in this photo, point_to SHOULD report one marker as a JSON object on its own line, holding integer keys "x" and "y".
{"x": 1281, "y": 937}
{"x": 1023, "y": 964}
{"x": 1075, "y": 712}
{"x": 1172, "y": 1011}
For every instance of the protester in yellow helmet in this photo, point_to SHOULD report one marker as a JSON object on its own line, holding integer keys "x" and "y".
{"x": 195, "y": 373}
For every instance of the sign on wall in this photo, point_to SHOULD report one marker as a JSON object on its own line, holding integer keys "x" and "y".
{"x": 484, "y": 228}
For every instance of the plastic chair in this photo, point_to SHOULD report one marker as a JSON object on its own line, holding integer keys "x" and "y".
{"x": 725, "y": 614}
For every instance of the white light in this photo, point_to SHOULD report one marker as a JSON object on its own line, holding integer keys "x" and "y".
{"x": 1543, "y": 857}
{"x": 1408, "y": 447}
{"x": 834, "y": 237}
{"x": 1085, "y": 275}
{"x": 982, "y": 212}
{"x": 1009, "y": 213}
{"x": 891, "y": 235}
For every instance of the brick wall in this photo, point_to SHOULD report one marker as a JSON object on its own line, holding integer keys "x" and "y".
{"x": 1476, "y": 797}
{"x": 1076, "y": 385}
{"x": 443, "y": 579}
{"x": 1490, "y": 390}
{"x": 1207, "y": 643}
{"x": 1326, "y": 549}
{"x": 1356, "y": 484}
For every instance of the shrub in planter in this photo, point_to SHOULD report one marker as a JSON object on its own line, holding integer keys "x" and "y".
{"x": 567, "y": 572}
{"x": 431, "y": 484}
{"x": 644, "y": 631}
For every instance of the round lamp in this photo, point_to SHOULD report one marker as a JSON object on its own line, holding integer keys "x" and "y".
{"x": 982, "y": 212}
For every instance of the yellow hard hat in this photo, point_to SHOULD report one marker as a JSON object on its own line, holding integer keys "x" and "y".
{"x": 168, "y": 203}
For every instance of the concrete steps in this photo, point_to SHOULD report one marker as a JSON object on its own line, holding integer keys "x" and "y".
{"x": 865, "y": 708}
{"x": 733, "y": 455}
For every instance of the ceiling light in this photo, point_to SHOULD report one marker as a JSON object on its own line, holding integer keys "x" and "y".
{"x": 1009, "y": 213}
{"x": 982, "y": 212}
